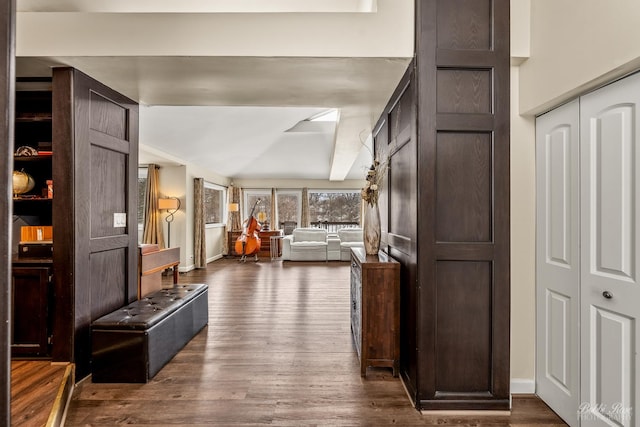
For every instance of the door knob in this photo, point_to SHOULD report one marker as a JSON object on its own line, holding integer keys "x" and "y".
{"x": 607, "y": 294}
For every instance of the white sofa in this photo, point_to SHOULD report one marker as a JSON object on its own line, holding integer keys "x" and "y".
{"x": 349, "y": 238}
{"x": 305, "y": 244}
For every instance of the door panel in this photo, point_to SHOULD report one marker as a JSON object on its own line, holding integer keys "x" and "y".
{"x": 610, "y": 294}
{"x": 558, "y": 260}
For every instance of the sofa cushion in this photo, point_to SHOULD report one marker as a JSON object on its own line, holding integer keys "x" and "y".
{"x": 351, "y": 244}
{"x": 307, "y": 244}
{"x": 309, "y": 235}
{"x": 350, "y": 235}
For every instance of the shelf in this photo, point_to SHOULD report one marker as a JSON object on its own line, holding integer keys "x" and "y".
{"x": 42, "y": 156}
{"x": 31, "y": 199}
{"x": 33, "y": 118}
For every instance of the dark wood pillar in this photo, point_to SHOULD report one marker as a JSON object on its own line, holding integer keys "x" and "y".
{"x": 463, "y": 203}
{"x": 7, "y": 96}
{"x": 445, "y": 206}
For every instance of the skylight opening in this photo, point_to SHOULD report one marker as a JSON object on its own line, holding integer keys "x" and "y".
{"x": 325, "y": 116}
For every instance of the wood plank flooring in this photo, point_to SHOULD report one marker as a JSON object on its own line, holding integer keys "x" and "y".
{"x": 34, "y": 387}
{"x": 277, "y": 351}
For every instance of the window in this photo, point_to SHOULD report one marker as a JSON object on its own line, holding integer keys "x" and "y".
{"x": 339, "y": 208}
{"x": 289, "y": 207}
{"x": 263, "y": 207}
{"x": 214, "y": 196}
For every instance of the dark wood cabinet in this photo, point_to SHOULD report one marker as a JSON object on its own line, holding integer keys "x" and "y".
{"x": 375, "y": 309}
{"x": 84, "y": 167}
{"x": 32, "y": 267}
{"x": 30, "y": 313}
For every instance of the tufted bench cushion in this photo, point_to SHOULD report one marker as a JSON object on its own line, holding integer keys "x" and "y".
{"x": 134, "y": 342}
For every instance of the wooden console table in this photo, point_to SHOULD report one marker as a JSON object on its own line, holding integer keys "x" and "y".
{"x": 265, "y": 243}
{"x": 152, "y": 262}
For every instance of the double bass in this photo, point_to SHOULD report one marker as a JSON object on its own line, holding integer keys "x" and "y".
{"x": 248, "y": 243}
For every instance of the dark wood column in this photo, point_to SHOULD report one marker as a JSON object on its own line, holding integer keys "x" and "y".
{"x": 445, "y": 206}
{"x": 7, "y": 96}
{"x": 463, "y": 203}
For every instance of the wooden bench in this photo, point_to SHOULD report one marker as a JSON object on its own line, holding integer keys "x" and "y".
{"x": 133, "y": 343}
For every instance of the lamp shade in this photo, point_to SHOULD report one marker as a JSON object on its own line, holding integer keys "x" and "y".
{"x": 170, "y": 204}
{"x": 262, "y": 216}
{"x": 233, "y": 207}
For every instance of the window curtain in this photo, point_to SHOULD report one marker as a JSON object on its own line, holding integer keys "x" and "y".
{"x": 236, "y": 223}
{"x": 200, "y": 243}
{"x": 233, "y": 218}
{"x": 152, "y": 229}
{"x": 305, "y": 208}
{"x": 275, "y": 224}
{"x": 225, "y": 238}
{"x": 242, "y": 208}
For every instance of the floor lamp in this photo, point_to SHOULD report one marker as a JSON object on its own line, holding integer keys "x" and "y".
{"x": 234, "y": 209}
{"x": 171, "y": 205}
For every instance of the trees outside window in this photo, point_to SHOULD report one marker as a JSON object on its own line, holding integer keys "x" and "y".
{"x": 289, "y": 206}
{"x": 213, "y": 203}
{"x": 341, "y": 207}
{"x": 251, "y": 196}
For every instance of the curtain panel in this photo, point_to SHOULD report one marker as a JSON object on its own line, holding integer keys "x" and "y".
{"x": 275, "y": 224}
{"x": 305, "y": 208}
{"x": 199, "y": 238}
{"x": 152, "y": 229}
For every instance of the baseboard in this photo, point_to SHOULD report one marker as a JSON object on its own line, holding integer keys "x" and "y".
{"x": 523, "y": 386}
{"x": 186, "y": 269}
{"x": 215, "y": 257}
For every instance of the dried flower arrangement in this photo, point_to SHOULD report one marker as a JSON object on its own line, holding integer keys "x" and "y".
{"x": 375, "y": 176}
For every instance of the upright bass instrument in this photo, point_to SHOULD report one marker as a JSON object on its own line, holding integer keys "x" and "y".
{"x": 248, "y": 243}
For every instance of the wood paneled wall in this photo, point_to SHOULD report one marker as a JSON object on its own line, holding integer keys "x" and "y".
{"x": 446, "y": 205}
{"x": 7, "y": 98}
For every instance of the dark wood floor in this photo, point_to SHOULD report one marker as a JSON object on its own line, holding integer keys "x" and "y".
{"x": 34, "y": 387}
{"x": 277, "y": 351}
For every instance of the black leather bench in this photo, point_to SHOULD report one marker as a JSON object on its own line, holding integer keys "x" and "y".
{"x": 133, "y": 343}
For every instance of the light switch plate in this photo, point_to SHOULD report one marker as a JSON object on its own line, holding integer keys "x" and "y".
{"x": 119, "y": 220}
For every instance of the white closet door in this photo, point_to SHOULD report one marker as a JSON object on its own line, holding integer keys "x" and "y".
{"x": 610, "y": 222}
{"x": 558, "y": 260}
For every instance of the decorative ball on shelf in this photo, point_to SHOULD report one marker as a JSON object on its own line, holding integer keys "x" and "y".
{"x": 22, "y": 182}
{"x": 26, "y": 151}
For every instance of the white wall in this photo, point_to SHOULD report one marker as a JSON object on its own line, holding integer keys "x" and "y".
{"x": 220, "y": 34}
{"x": 523, "y": 278}
{"x": 577, "y": 45}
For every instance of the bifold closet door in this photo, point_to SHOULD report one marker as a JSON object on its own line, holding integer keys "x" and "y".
{"x": 558, "y": 260}
{"x": 610, "y": 256}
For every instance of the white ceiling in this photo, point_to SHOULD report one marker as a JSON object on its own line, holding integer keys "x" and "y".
{"x": 230, "y": 114}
